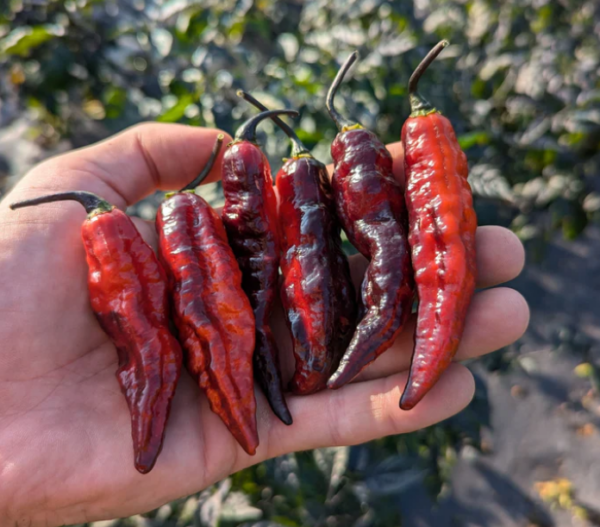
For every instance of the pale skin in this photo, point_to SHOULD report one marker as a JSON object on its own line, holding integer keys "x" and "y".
{"x": 65, "y": 445}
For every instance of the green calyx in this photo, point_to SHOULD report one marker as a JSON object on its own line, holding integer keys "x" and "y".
{"x": 303, "y": 155}
{"x": 102, "y": 208}
{"x": 173, "y": 192}
{"x": 349, "y": 127}
{"x": 420, "y": 107}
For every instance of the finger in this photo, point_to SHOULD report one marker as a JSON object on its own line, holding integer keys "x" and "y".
{"x": 496, "y": 318}
{"x": 129, "y": 166}
{"x": 362, "y": 412}
{"x": 148, "y": 231}
{"x": 397, "y": 152}
{"x": 500, "y": 256}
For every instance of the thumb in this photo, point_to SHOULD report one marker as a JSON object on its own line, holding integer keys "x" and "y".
{"x": 127, "y": 167}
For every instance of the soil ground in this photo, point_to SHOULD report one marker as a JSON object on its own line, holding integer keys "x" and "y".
{"x": 545, "y": 424}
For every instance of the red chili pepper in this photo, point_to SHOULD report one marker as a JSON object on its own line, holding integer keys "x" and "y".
{"x": 211, "y": 311}
{"x": 317, "y": 293}
{"x": 442, "y": 237}
{"x": 250, "y": 218}
{"x": 371, "y": 208}
{"x": 128, "y": 294}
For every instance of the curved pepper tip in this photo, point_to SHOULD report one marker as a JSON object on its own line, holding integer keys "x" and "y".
{"x": 346, "y": 371}
{"x": 245, "y": 433}
{"x": 144, "y": 461}
{"x": 283, "y": 414}
{"x": 407, "y": 403}
{"x": 412, "y": 395}
{"x": 340, "y": 378}
{"x": 250, "y": 447}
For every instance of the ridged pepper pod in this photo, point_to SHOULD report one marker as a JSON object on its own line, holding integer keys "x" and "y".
{"x": 371, "y": 208}
{"x": 442, "y": 237}
{"x": 128, "y": 295}
{"x": 211, "y": 311}
{"x": 317, "y": 293}
{"x": 250, "y": 218}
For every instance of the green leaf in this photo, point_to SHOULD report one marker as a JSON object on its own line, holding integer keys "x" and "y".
{"x": 22, "y": 40}
{"x": 574, "y": 224}
{"x": 288, "y": 522}
{"x": 398, "y": 90}
{"x": 114, "y": 101}
{"x": 176, "y": 112}
{"x": 469, "y": 140}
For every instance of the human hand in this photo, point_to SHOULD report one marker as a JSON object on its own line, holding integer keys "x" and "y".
{"x": 65, "y": 439}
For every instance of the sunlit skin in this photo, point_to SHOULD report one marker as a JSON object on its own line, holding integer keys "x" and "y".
{"x": 65, "y": 431}
{"x": 250, "y": 218}
{"x": 317, "y": 292}
{"x": 212, "y": 314}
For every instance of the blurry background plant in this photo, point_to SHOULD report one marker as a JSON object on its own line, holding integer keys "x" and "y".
{"x": 520, "y": 83}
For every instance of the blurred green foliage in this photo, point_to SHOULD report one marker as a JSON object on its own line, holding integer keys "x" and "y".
{"x": 520, "y": 83}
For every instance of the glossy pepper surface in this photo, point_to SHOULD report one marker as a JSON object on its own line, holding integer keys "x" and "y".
{"x": 211, "y": 311}
{"x": 317, "y": 293}
{"x": 442, "y": 237}
{"x": 371, "y": 208}
{"x": 128, "y": 295}
{"x": 250, "y": 218}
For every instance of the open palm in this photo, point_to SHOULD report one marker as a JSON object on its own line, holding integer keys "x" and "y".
{"x": 65, "y": 444}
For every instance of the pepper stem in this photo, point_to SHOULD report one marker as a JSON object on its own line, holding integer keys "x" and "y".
{"x": 341, "y": 122}
{"x": 93, "y": 204}
{"x": 298, "y": 147}
{"x": 209, "y": 164}
{"x": 247, "y": 131}
{"x": 418, "y": 104}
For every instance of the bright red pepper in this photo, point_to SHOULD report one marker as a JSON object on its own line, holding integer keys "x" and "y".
{"x": 371, "y": 208}
{"x": 317, "y": 293}
{"x": 442, "y": 237}
{"x": 128, "y": 294}
{"x": 210, "y": 309}
{"x": 250, "y": 218}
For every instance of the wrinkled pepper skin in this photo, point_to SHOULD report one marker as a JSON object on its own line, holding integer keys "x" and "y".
{"x": 128, "y": 295}
{"x": 317, "y": 293}
{"x": 442, "y": 240}
{"x": 211, "y": 311}
{"x": 371, "y": 209}
{"x": 250, "y": 219}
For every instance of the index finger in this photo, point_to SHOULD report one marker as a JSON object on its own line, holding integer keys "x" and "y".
{"x": 131, "y": 165}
